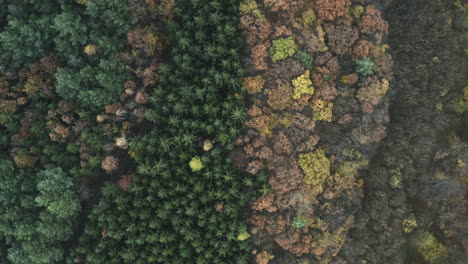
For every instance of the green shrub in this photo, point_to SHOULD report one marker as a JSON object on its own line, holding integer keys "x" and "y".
{"x": 365, "y": 66}
{"x": 305, "y": 59}
{"x": 299, "y": 222}
{"x": 56, "y": 193}
{"x": 92, "y": 86}
{"x": 282, "y": 48}
{"x": 71, "y": 35}
{"x": 23, "y": 41}
{"x": 68, "y": 83}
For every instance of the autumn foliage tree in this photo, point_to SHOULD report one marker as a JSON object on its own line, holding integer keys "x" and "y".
{"x": 283, "y": 7}
{"x": 331, "y": 9}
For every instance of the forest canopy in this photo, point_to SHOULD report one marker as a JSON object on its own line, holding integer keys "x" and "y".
{"x": 232, "y": 131}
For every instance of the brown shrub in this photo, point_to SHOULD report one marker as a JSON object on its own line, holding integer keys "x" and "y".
{"x": 258, "y": 54}
{"x": 317, "y": 78}
{"x": 372, "y": 22}
{"x": 371, "y": 90}
{"x": 144, "y": 39}
{"x": 341, "y": 36}
{"x": 282, "y": 144}
{"x": 265, "y": 203}
{"x": 345, "y": 119}
{"x": 65, "y": 106}
{"x": 259, "y": 141}
{"x": 362, "y": 49}
{"x": 165, "y": 8}
{"x": 294, "y": 242}
{"x": 60, "y": 133}
{"x": 112, "y": 109}
{"x": 263, "y": 257}
{"x": 299, "y": 105}
{"x": 282, "y": 31}
{"x": 308, "y": 145}
{"x": 327, "y": 91}
{"x": 323, "y": 59}
{"x": 104, "y": 233}
{"x": 301, "y": 200}
{"x": 276, "y": 224}
{"x": 286, "y": 175}
{"x": 138, "y": 8}
{"x": 297, "y": 135}
{"x": 68, "y": 118}
{"x": 383, "y": 62}
{"x": 49, "y": 64}
{"x": 333, "y": 67}
{"x": 253, "y": 84}
{"x": 255, "y": 30}
{"x": 150, "y": 74}
{"x": 141, "y": 97}
{"x": 350, "y": 79}
{"x": 284, "y": 69}
{"x": 25, "y": 161}
{"x": 110, "y": 164}
{"x": 139, "y": 114}
{"x": 130, "y": 87}
{"x": 284, "y": 8}
{"x": 62, "y": 123}
{"x": 313, "y": 39}
{"x": 21, "y": 101}
{"x": 280, "y": 97}
{"x": 40, "y": 77}
{"x": 259, "y": 122}
{"x": 264, "y": 153}
{"x": 255, "y": 111}
{"x": 8, "y": 106}
{"x": 331, "y": 9}
{"x": 369, "y": 133}
{"x": 254, "y": 167}
{"x": 125, "y": 181}
{"x": 25, "y": 130}
{"x": 258, "y": 221}
{"x": 219, "y": 207}
{"x": 239, "y": 160}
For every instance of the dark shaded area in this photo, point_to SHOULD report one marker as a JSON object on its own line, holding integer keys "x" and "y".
{"x": 424, "y": 147}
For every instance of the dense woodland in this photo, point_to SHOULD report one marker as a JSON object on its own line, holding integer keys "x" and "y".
{"x": 233, "y": 131}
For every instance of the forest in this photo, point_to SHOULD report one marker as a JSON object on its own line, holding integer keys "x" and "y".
{"x": 233, "y": 131}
